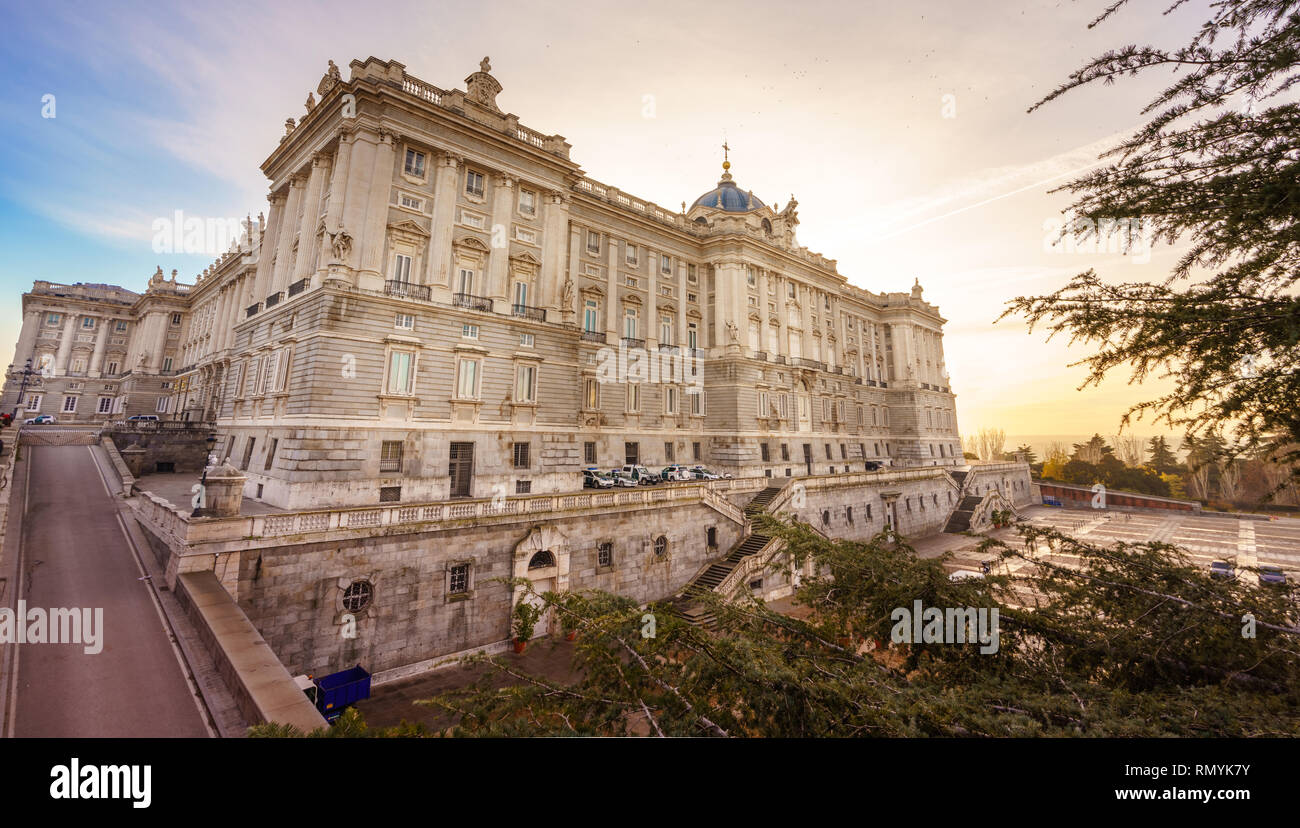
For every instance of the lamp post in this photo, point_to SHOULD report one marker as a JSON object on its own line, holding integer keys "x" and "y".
{"x": 22, "y": 389}
{"x": 211, "y": 442}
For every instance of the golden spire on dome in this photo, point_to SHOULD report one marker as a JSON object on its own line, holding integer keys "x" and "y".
{"x": 726, "y": 163}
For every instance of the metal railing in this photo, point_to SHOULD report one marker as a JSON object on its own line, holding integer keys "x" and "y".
{"x": 408, "y": 290}
{"x": 466, "y": 300}
{"x": 633, "y": 342}
{"x": 274, "y": 299}
{"x": 593, "y": 336}
{"x": 254, "y": 308}
{"x": 528, "y": 312}
{"x": 298, "y": 287}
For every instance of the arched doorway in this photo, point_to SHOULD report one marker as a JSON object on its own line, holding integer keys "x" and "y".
{"x": 542, "y": 557}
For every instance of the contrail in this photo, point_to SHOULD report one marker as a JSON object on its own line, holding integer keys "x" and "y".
{"x": 985, "y": 201}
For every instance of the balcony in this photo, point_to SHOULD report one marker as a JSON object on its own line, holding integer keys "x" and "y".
{"x": 528, "y": 312}
{"x": 274, "y": 299}
{"x": 298, "y": 287}
{"x": 465, "y": 300}
{"x": 633, "y": 342}
{"x": 808, "y": 363}
{"x": 871, "y": 382}
{"x": 667, "y": 348}
{"x": 409, "y": 291}
{"x": 253, "y": 309}
{"x": 593, "y": 336}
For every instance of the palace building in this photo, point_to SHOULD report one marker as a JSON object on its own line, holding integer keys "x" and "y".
{"x": 425, "y": 309}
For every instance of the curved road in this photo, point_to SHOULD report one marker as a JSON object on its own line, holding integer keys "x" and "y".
{"x": 76, "y": 554}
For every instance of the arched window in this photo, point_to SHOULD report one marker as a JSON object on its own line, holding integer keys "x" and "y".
{"x": 767, "y": 227}
{"x": 541, "y": 560}
{"x": 358, "y": 596}
{"x": 661, "y": 546}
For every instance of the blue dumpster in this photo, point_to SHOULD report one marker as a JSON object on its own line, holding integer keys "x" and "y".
{"x": 338, "y": 690}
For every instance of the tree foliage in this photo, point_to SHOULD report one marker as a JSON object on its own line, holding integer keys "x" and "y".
{"x": 1216, "y": 169}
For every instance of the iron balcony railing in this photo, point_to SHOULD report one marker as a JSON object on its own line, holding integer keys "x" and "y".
{"x": 465, "y": 300}
{"x": 274, "y": 299}
{"x": 408, "y": 290}
{"x": 633, "y": 342}
{"x": 254, "y": 308}
{"x": 593, "y": 336}
{"x": 528, "y": 312}
{"x": 298, "y": 287}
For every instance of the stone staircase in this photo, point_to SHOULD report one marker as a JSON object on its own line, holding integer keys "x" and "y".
{"x": 715, "y": 573}
{"x": 959, "y": 520}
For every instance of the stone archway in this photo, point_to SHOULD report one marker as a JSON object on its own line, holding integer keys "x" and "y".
{"x": 542, "y": 558}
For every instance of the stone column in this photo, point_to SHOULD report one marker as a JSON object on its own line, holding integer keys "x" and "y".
{"x": 503, "y": 204}
{"x": 375, "y": 236}
{"x": 550, "y": 283}
{"x": 284, "y": 240}
{"x": 444, "y": 219}
{"x": 65, "y": 345}
{"x": 97, "y": 357}
{"x": 353, "y": 219}
{"x": 651, "y": 332}
{"x": 26, "y": 348}
{"x": 334, "y": 209}
{"x": 681, "y": 306}
{"x": 274, "y": 220}
{"x": 305, "y": 263}
{"x": 805, "y": 321}
{"x": 164, "y": 322}
{"x": 782, "y": 317}
{"x": 612, "y": 323}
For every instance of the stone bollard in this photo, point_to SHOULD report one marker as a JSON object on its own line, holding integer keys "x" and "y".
{"x": 224, "y": 492}
{"x": 133, "y": 456}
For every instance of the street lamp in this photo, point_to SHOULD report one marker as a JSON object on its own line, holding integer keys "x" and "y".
{"x": 22, "y": 389}
{"x": 211, "y": 442}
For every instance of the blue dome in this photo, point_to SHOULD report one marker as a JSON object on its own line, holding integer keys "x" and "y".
{"x": 728, "y": 198}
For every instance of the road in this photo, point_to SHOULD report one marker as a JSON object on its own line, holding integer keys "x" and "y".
{"x": 75, "y": 554}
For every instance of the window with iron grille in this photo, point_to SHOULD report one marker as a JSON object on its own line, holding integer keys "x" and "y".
{"x": 358, "y": 596}
{"x": 605, "y": 554}
{"x": 390, "y": 456}
{"x": 270, "y": 454}
{"x": 631, "y": 453}
{"x": 661, "y": 546}
{"x": 695, "y": 451}
{"x": 589, "y": 453}
{"x": 521, "y": 452}
{"x": 390, "y": 494}
{"x": 523, "y": 487}
{"x": 458, "y": 579}
{"x": 844, "y": 452}
{"x": 828, "y": 452}
{"x": 766, "y": 452}
{"x": 785, "y": 451}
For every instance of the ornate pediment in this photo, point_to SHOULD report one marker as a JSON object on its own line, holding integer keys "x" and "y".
{"x": 525, "y": 257}
{"x": 407, "y": 230}
{"x": 471, "y": 243}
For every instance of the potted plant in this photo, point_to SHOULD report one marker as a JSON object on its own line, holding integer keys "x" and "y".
{"x": 524, "y": 618}
{"x": 570, "y": 626}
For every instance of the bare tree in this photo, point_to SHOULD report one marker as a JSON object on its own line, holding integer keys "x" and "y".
{"x": 1057, "y": 452}
{"x": 1229, "y": 478}
{"x": 1128, "y": 449}
{"x": 991, "y": 443}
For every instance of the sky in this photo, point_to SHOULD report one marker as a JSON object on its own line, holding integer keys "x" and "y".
{"x": 901, "y": 128}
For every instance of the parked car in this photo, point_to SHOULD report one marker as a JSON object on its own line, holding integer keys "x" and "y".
{"x": 622, "y": 479}
{"x": 965, "y": 575}
{"x": 676, "y": 472}
{"x": 594, "y": 479}
{"x": 1271, "y": 575}
{"x": 873, "y": 465}
{"x": 40, "y": 419}
{"x": 641, "y": 474}
{"x": 1222, "y": 570}
{"x": 701, "y": 473}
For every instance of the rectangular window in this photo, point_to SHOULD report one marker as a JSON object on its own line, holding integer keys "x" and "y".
{"x": 105, "y": 405}
{"x": 695, "y": 451}
{"x": 468, "y": 331}
{"x": 160, "y": 406}
{"x": 665, "y": 264}
{"x": 766, "y": 452}
{"x": 750, "y": 278}
{"x": 692, "y": 336}
{"x": 629, "y": 323}
{"x": 697, "y": 402}
{"x": 465, "y": 282}
{"x": 668, "y": 452}
{"x": 69, "y": 405}
{"x": 176, "y": 319}
{"x": 763, "y": 410}
{"x": 400, "y": 379}
{"x": 522, "y": 453}
{"x": 690, "y": 274}
{"x": 410, "y": 202}
{"x": 281, "y": 371}
{"x": 402, "y": 268}
{"x": 666, "y": 330}
{"x": 33, "y": 402}
{"x": 670, "y": 399}
{"x": 593, "y": 241}
{"x": 248, "y": 452}
{"x": 405, "y": 321}
{"x": 527, "y": 202}
{"x": 525, "y": 340}
{"x": 474, "y": 183}
{"x": 472, "y": 220}
{"x": 270, "y": 454}
{"x": 121, "y": 327}
{"x": 167, "y": 363}
{"x": 631, "y": 453}
{"x": 630, "y": 253}
{"x": 828, "y": 452}
{"x": 785, "y": 451}
{"x": 591, "y": 396}
{"x": 88, "y": 322}
{"x": 633, "y": 398}
{"x": 458, "y": 579}
{"x": 605, "y": 555}
{"x": 589, "y": 453}
{"x": 523, "y": 486}
{"x": 590, "y": 315}
{"x": 415, "y": 163}
{"x": 630, "y": 281}
{"x": 52, "y": 319}
{"x": 390, "y": 456}
{"x": 526, "y": 384}
{"x": 390, "y": 494}
{"x": 112, "y": 369}
{"x": 467, "y": 379}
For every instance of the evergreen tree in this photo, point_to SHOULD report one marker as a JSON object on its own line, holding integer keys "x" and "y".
{"x": 1217, "y": 166}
